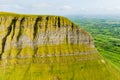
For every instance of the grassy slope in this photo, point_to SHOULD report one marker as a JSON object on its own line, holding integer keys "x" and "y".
{"x": 106, "y": 36}
{"x": 82, "y": 67}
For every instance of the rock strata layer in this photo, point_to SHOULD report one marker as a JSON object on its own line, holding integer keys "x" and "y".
{"x": 23, "y": 36}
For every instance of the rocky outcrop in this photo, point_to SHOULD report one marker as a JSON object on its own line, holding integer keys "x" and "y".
{"x": 24, "y": 36}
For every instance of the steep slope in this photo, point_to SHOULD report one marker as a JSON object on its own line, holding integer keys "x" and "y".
{"x": 28, "y": 36}
{"x": 48, "y": 48}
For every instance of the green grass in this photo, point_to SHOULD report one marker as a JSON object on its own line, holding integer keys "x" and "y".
{"x": 106, "y": 34}
{"x": 29, "y": 15}
{"x": 48, "y": 49}
{"x": 82, "y": 67}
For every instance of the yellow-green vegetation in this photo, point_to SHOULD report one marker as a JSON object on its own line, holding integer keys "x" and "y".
{"x": 106, "y": 33}
{"x": 82, "y": 67}
{"x": 49, "y": 50}
{"x": 42, "y": 47}
{"x": 63, "y": 48}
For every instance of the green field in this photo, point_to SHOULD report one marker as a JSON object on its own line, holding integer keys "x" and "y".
{"x": 106, "y": 33}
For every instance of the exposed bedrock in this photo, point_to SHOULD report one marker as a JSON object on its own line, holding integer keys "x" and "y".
{"x": 24, "y": 36}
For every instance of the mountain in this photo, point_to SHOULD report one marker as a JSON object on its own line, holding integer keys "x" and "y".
{"x": 28, "y": 36}
{"x": 35, "y": 47}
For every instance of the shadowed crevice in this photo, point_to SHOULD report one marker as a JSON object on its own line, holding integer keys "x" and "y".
{"x": 21, "y": 26}
{"x": 46, "y": 26}
{"x": 66, "y": 35}
{"x": 72, "y": 26}
{"x": 9, "y": 29}
{"x": 59, "y": 22}
{"x": 36, "y": 26}
{"x": 14, "y": 25}
{"x": 47, "y": 19}
{"x": 19, "y": 34}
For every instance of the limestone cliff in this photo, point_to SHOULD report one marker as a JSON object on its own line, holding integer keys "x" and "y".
{"x": 24, "y": 36}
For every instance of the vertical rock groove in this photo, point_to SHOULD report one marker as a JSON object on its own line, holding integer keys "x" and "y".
{"x": 21, "y": 27}
{"x": 59, "y": 22}
{"x": 14, "y": 25}
{"x": 9, "y": 29}
{"x": 18, "y": 37}
{"x": 35, "y": 33}
{"x": 36, "y": 26}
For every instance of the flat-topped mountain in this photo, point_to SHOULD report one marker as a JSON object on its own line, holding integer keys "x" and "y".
{"x": 41, "y": 47}
{"x": 25, "y": 36}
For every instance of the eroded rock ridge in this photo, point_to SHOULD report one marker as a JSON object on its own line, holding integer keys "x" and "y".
{"x": 23, "y": 36}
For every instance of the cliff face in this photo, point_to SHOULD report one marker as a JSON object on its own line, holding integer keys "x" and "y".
{"x": 24, "y": 36}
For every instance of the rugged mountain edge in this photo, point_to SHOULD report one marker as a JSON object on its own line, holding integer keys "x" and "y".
{"x": 24, "y": 36}
{"x": 48, "y": 48}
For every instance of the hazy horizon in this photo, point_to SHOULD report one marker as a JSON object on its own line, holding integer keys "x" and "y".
{"x": 62, "y": 7}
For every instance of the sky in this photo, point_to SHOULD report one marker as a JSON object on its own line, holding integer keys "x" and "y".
{"x": 61, "y": 7}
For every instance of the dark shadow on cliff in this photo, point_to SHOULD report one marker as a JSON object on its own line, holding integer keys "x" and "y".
{"x": 9, "y": 29}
